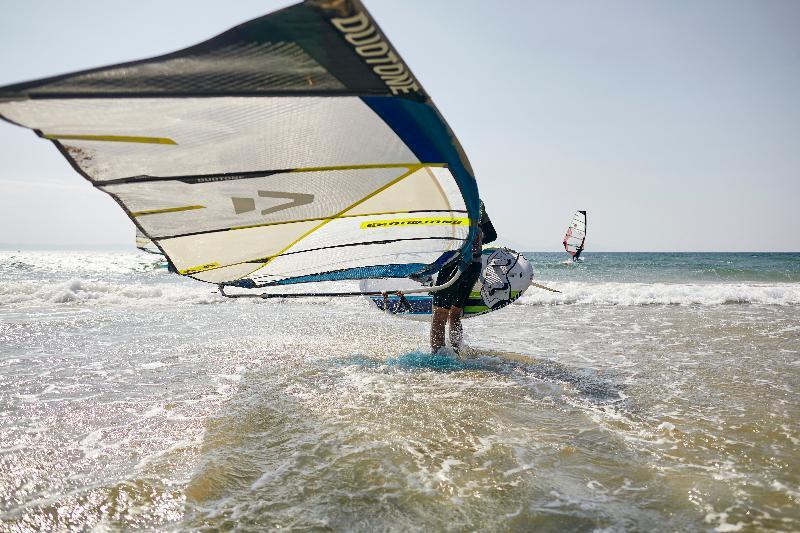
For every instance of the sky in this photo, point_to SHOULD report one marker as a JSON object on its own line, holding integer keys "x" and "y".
{"x": 675, "y": 124}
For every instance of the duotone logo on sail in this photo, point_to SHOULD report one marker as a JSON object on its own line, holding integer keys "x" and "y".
{"x": 365, "y": 38}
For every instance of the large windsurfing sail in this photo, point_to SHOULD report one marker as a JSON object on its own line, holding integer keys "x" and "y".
{"x": 296, "y": 147}
{"x": 575, "y": 238}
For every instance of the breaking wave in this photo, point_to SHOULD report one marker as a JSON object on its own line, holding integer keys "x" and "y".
{"x": 632, "y": 294}
{"x": 80, "y": 291}
{"x": 91, "y": 292}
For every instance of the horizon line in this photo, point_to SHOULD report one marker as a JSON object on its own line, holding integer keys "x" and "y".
{"x": 4, "y": 246}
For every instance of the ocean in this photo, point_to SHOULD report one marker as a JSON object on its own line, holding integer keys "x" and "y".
{"x": 656, "y": 392}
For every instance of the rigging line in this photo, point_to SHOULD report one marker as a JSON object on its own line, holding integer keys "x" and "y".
{"x": 534, "y": 284}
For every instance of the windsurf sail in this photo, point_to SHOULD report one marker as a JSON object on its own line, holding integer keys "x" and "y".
{"x": 575, "y": 238}
{"x": 296, "y": 147}
{"x": 145, "y": 244}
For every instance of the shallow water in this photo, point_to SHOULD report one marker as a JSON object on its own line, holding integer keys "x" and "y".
{"x": 650, "y": 400}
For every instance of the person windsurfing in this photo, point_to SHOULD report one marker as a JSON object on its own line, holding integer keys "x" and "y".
{"x": 575, "y": 238}
{"x": 448, "y": 304}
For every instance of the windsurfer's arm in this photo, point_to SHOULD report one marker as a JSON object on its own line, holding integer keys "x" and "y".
{"x": 489, "y": 233}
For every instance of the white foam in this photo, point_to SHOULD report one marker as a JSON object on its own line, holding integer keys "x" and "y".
{"x": 722, "y": 522}
{"x": 632, "y": 294}
{"x": 129, "y": 278}
{"x": 91, "y": 292}
{"x": 667, "y": 427}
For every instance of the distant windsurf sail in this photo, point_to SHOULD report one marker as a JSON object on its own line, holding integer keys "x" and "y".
{"x": 575, "y": 238}
{"x": 296, "y": 147}
{"x": 145, "y": 244}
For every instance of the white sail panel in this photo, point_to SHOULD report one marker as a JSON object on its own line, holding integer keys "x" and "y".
{"x": 338, "y": 227}
{"x": 199, "y": 136}
{"x": 171, "y": 208}
{"x": 575, "y": 237}
{"x": 207, "y": 251}
{"x": 427, "y": 188}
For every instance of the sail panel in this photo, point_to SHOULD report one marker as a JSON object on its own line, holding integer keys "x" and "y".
{"x": 273, "y": 66}
{"x": 423, "y": 251}
{"x": 171, "y": 208}
{"x": 427, "y": 188}
{"x": 106, "y": 138}
{"x": 207, "y": 251}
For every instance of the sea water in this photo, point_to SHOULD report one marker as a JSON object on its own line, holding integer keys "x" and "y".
{"x": 656, "y": 392}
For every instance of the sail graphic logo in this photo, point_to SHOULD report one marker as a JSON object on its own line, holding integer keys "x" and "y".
{"x": 496, "y": 286}
{"x": 435, "y": 221}
{"x": 365, "y": 38}
{"x": 245, "y": 205}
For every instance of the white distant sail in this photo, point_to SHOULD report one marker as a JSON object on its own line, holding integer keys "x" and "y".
{"x": 575, "y": 238}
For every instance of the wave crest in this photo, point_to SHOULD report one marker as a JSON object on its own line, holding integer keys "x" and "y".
{"x": 81, "y": 291}
{"x": 632, "y": 294}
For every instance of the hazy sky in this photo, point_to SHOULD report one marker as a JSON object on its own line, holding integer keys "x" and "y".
{"x": 676, "y": 124}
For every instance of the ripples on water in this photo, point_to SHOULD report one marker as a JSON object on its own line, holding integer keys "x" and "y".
{"x": 131, "y": 398}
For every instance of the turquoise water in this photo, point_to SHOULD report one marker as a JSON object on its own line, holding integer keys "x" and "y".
{"x": 670, "y": 267}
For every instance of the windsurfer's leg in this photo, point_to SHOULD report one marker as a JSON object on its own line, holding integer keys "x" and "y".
{"x": 438, "y": 322}
{"x": 460, "y": 298}
{"x": 442, "y": 301}
{"x": 456, "y": 330}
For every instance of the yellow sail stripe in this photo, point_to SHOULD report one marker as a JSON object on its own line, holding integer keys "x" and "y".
{"x": 166, "y": 210}
{"x": 199, "y": 268}
{"x": 109, "y": 138}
